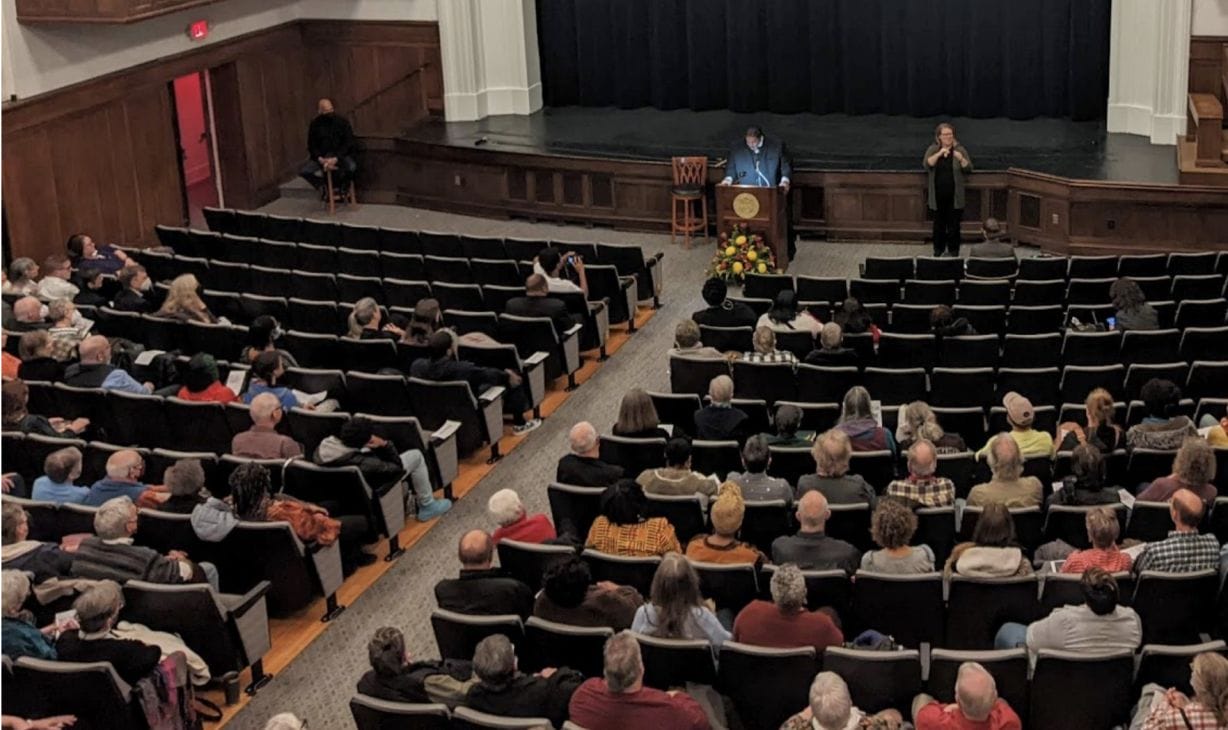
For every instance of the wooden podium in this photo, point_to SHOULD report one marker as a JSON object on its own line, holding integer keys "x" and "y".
{"x": 758, "y": 210}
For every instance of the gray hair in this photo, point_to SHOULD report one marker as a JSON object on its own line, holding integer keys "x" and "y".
{"x": 122, "y": 462}
{"x": 720, "y": 389}
{"x": 59, "y": 309}
{"x": 13, "y": 515}
{"x": 856, "y": 404}
{"x": 831, "y": 335}
{"x": 582, "y": 437}
{"x": 623, "y": 664}
{"x": 1004, "y": 458}
{"x": 922, "y": 458}
{"x": 284, "y": 721}
{"x": 829, "y": 700}
{"x": 20, "y": 268}
{"x": 505, "y": 506}
{"x": 97, "y": 605}
{"x": 494, "y": 660}
{"x": 16, "y": 588}
{"x": 364, "y": 312}
{"x": 111, "y": 519}
{"x": 63, "y": 465}
{"x": 262, "y": 407}
{"x": 789, "y": 588}
{"x": 185, "y": 477}
{"x": 975, "y": 691}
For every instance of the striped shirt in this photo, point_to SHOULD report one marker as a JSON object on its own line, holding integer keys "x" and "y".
{"x": 654, "y": 536}
{"x": 775, "y": 356}
{"x": 1112, "y": 560}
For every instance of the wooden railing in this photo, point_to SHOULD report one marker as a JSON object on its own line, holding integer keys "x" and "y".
{"x": 1206, "y": 119}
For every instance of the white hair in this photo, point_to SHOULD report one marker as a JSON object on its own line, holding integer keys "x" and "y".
{"x": 830, "y": 702}
{"x": 262, "y": 407}
{"x": 16, "y": 588}
{"x": 583, "y": 437}
{"x": 284, "y": 721}
{"x": 505, "y": 506}
{"x": 111, "y": 519}
{"x": 122, "y": 462}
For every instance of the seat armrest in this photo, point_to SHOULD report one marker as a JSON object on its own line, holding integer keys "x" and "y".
{"x": 535, "y": 359}
{"x": 573, "y": 330}
{"x": 598, "y": 305}
{"x": 492, "y": 394}
{"x": 242, "y": 604}
{"x": 535, "y": 376}
{"x": 443, "y": 445}
{"x": 251, "y": 619}
{"x": 327, "y": 563}
{"x": 628, "y": 281}
{"x": 446, "y": 431}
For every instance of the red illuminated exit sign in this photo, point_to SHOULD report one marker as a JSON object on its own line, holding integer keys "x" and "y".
{"x": 199, "y": 30}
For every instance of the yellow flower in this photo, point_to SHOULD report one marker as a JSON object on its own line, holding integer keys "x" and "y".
{"x": 730, "y": 251}
{"x": 740, "y": 240}
{"x": 762, "y": 268}
{"x": 751, "y": 255}
{"x": 737, "y": 267}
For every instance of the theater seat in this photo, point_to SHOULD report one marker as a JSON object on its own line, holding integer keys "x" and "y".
{"x": 767, "y": 686}
{"x": 877, "y": 598}
{"x": 98, "y": 696}
{"x": 877, "y": 680}
{"x": 670, "y": 663}
{"x": 550, "y": 644}
{"x": 1101, "y": 683}
{"x": 458, "y": 634}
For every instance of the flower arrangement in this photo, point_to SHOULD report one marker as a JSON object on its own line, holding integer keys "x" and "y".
{"x": 740, "y": 252}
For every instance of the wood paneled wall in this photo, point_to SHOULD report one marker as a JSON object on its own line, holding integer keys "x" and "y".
{"x": 100, "y": 156}
{"x": 1207, "y": 65}
{"x": 99, "y": 11}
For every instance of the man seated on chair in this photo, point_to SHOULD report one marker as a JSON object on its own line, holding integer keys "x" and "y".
{"x": 557, "y": 268}
{"x": 993, "y": 246}
{"x": 481, "y": 588}
{"x": 330, "y": 143}
{"x": 504, "y": 690}
{"x": 537, "y": 302}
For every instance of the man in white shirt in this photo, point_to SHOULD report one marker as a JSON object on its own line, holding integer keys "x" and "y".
{"x": 1098, "y": 626}
{"x": 55, "y": 284}
{"x": 549, "y": 263}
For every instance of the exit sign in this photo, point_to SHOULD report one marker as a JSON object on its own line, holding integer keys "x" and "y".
{"x": 198, "y": 30}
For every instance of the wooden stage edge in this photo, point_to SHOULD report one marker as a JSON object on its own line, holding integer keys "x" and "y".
{"x": 1059, "y": 215}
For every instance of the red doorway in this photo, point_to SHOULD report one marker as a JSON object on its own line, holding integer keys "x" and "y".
{"x": 197, "y": 153}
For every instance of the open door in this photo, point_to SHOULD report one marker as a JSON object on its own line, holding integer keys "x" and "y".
{"x": 227, "y": 130}
{"x": 197, "y": 154}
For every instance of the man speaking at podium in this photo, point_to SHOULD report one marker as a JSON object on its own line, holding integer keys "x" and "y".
{"x": 761, "y": 162}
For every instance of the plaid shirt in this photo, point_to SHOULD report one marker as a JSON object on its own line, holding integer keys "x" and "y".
{"x": 1181, "y": 552}
{"x": 1166, "y": 717}
{"x": 770, "y": 357}
{"x": 928, "y": 491}
{"x": 654, "y": 536}
{"x": 1111, "y": 560}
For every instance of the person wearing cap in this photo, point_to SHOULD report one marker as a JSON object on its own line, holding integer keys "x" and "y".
{"x": 721, "y": 311}
{"x": 723, "y": 545}
{"x": 1020, "y": 415}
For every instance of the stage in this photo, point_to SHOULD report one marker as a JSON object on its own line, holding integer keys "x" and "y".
{"x": 1069, "y": 187}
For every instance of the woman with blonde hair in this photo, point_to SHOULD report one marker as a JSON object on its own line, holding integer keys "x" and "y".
{"x": 1208, "y": 708}
{"x": 183, "y": 301}
{"x": 1100, "y": 430}
{"x": 918, "y": 421}
{"x": 637, "y": 417}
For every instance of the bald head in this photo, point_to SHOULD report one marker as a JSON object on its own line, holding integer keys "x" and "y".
{"x": 922, "y": 458}
{"x": 536, "y": 286}
{"x": 475, "y": 550}
{"x": 1186, "y": 508}
{"x": 583, "y": 439}
{"x": 95, "y": 349}
{"x": 812, "y": 511}
{"x": 720, "y": 390}
{"x": 266, "y": 409}
{"x": 125, "y": 466}
{"x": 28, "y": 309}
{"x": 975, "y": 691}
{"x": 325, "y": 106}
{"x": 1004, "y": 457}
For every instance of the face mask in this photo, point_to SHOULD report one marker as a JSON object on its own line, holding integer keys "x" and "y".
{"x": 147, "y": 285}
{"x": 276, "y": 333}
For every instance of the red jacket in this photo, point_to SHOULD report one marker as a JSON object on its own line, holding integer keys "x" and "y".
{"x": 535, "y": 529}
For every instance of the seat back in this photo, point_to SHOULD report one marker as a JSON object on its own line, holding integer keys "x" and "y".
{"x": 716, "y": 457}
{"x": 877, "y": 680}
{"x": 99, "y": 698}
{"x": 574, "y": 507}
{"x": 458, "y": 634}
{"x": 764, "y": 521}
{"x": 1065, "y": 589}
{"x": 1169, "y": 666}
{"x": 528, "y": 562}
{"x": 694, "y": 375}
{"x": 878, "y": 596}
{"x": 465, "y": 718}
{"x": 770, "y": 382}
{"x": 1175, "y": 607}
{"x": 766, "y": 685}
{"x": 371, "y": 713}
{"x": 731, "y": 587}
{"x": 1068, "y": 523}
{"x": 636, "y": 572}
{"x": 1103, "y": 684}
{"x": 686, "y": 512}
{"x": 634, "y": 455}
{"x": 977, "y": 607}
{"x": 551, "y": 644}
{"x": 670, "y": 663}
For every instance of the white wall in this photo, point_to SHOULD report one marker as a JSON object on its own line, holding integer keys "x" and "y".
{"x": 1149, "y": 51}
{"x": 490, "y": 59}
{"x": 1209, "y": 17}
{"x": 41, "y": 57}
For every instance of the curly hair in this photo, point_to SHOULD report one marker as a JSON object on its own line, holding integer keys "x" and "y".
{"x": 1194, "y": 464}
{"x": 892, "y": 525}
{"x": 1126, "y": 294}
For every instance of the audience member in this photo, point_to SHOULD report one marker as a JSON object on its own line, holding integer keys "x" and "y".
{"x": 944, "y": 323}
{"x": 55, "y": 284}
{"x": 42, "y": 560}
{"x": 721, "y": 311}
{"x": 444, "y": 365}
{"x": 764, "y": 342}
{"x": 583, "y": 467}
{"x": 832, "y": 453}
{"x": 854, "y": 318}
{"x": 892, "y": 527}
{"x": 923, "y": 487}
{"x": 623, "y": 529}
{"x": 183, "y": 302}
{"x": 784, "y": 622}
{"x": 831, "y": 351}
{"x": 569, "y": 596}
{"x": 1100, "y": 430}
{"x": 1171, "y": 709}
{"x": 553, "y": 265}
{"x": 134, "y": 296}
{"x": 262, "y": 336}
{"x": 720, "y": 420}
{"x": 14, "y": 401}
{"x": 266, "y": 373}
{"x": 976, "y": 707}
{"x": 514, "y": 522}
{"x": 331, "y": 148}
{"x": 619, "y": 699}
{"x": 1163, "y": 427}
{"x": 993, "y": 552}
{"x": 1103, "y": 529}
{"x": 1193, "y": 469}
{"x": 784, "y": 316}
{"x": 426, "y": 320}
{"x": 1009, "y": 487}
{"x": 107, "y": 258}
{"x": 285, "y": 721}
{"x": 637, "y": 417}
{"x": 1100, "y": 624}
{"x": 251, "y": 492}
{"x": 96, "y": 371}
{"x": 262, "y": 441}
{"x": 918, "y": 420}
{"x": 124, "y": 471}
{"x": 61, "y": 470}
{"x": 993, "y": 243}
{"x": 28, "y": 316}
{"x": 185, "y": 480}
{"x": 675, "y": 609}
{"x": 65, "y": 335}
{"x": 1133, "y": 311}
{"x": 381, "y": 465}
{"x": 831, "y": 708}
{"x": 1184, "y": 550}
{"x": 788, "y": 420}
{"x": 687, "y": 344}
{"x": 1020, "y": 415}
{"x": 37, "y": 361}
{"x": 537, "y": 302}
{"x": 201, "y": 382}
{"x": 366, "y": 322}
{"x": 98, "y": 609}
{"x": 723, "y": 546}
{"x": 11, "y": 363}
{"x": 857, "y": 420}
{"x": 505, "y": 691}
{"x": 811, "y": 548}
{"x": 755, "y": 483}
{"x": 23, "y": 277}
{"x": 480, "y": 588}
{"x": 93, "y": 288}
{"x": 18, "y": 634}
{"x": 1085, "y": 484}
{"x": 109, "y": 554}
{"x": 676, "y": 478}
{"x": 394, "y": 676}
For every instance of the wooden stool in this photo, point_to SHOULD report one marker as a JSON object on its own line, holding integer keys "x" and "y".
{"x": 347, "y": 196}
{"x": 690, "y": 179}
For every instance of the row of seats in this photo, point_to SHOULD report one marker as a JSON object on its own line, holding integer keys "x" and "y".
{"x": 1050, "y": 267}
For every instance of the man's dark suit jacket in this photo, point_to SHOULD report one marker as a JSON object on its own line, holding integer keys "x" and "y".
{"x": 720, "y": 424}
{"x": 738, "y": 315}
{"x": 130, "y": 301}
{"x": 773, "y": 161}
{"x": 485, "y": 592}
{"x": 583, "y": 471}
{"x": 550, "y": 307}
{"x": 839, "y": 357}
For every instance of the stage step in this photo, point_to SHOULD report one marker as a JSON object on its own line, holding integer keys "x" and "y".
{"x": 298, "y": 189}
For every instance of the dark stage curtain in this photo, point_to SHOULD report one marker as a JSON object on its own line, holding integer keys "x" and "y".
{"x": 975, "y": 58}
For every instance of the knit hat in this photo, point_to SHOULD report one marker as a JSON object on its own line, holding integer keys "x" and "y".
{"x": 728, "y": 509}
{"x": 1018, "y": 409}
